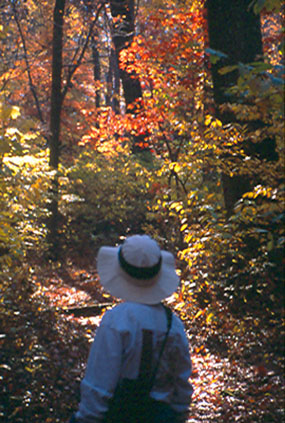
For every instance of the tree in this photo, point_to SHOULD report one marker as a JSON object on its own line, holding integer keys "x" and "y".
{"x": 55, "y": 120}
{"x": 57, "y": 96}
{"x": 32, "y": 86}
{"x": 96, "y": 67}
{"x": 235, "y": 35}
{"x": 123, "y": 32}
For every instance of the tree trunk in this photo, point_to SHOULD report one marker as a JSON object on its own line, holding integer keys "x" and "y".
{"x": 113, "y": 83}
{"x": 235, "y": 30}
{"x": 27, "y": 61}
{"x": 116, "y": 82}
{"x": 123, "y": 33}
{"x": 97, "y": 69}
{"x": 55, "y": 112}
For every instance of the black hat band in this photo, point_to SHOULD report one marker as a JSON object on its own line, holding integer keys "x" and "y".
{"x": 139, "y": 272}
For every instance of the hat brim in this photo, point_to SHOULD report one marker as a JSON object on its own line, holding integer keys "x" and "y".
{"x": 119, "y": 284}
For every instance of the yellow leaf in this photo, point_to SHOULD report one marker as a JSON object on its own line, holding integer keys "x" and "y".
{"x": 208, "y": 120}
{"x": 183, "y": 227}
{"x": 198, "y": 314}
{"x": 188, "y": 237}
{"x": 209, "y": 317}
{"x": 15, "y": 112}
{"x": 216, "y": 123}
{"x": 176, "y": 205}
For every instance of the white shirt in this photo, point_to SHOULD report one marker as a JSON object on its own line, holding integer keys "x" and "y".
{"x": 116, "y": 351}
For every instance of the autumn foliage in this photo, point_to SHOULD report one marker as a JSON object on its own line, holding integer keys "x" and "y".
{"x": 155, "y": 165}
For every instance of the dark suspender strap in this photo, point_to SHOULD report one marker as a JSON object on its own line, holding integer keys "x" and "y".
{"x": 146, "y": 375}
{"x": 169, "y": 322}
{"x": 146, "y": 357}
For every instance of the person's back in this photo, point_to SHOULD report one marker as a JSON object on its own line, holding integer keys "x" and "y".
{"x": 116, "y": 353}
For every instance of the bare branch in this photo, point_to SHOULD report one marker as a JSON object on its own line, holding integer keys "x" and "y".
{"x": 74, "y": 67}
{"x": 31, "y": 84}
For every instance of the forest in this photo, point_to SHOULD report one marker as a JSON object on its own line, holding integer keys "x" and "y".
{"x": 160, "y": 117}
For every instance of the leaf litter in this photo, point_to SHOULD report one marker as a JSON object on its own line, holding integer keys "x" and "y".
{"x": 44, "y": 358}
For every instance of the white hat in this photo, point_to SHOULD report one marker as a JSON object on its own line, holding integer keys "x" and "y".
{"x": 137, "y": 270}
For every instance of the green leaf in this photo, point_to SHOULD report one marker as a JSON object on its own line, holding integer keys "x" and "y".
{"x": 215, "y": 55}
{"x": 227, "y": 69}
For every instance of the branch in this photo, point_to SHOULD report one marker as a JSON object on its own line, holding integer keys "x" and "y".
{"x": 79, "y": 60}
{"x": 31, "y": 84}
{"x": 85, "y": 311}
{"x": 174, "y": 159}
{"x": 137, "y": 9}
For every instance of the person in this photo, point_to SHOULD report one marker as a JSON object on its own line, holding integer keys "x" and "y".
{"x": 142, "y": 275}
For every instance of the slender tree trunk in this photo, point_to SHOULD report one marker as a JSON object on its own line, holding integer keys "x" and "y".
{"x": 55, "y": 119}
{"x": 116, "y": 82}
{"x": 28, "y": 67}
{"x": 235, "y": 30}
{"x": 57, "y": 97}
{"x": 97, "y": 69}
{"x": 109, "y": 81}
{"x": 113, "y": 83}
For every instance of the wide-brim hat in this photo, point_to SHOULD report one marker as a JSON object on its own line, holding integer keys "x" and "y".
{"x": 137, "y": 271}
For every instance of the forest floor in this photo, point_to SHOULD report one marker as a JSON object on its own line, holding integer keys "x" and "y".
{"x": 48, "y": 324}
{"x": 227, "y": 388}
